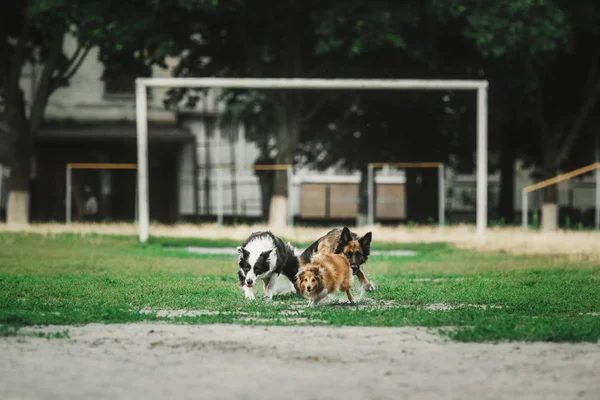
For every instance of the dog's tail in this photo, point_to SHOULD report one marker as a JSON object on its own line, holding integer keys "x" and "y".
{"x": 292, "y": 250}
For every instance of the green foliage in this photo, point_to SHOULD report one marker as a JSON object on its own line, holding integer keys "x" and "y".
{"x": 356, "y": 27}
{"x": 513, "y": 29}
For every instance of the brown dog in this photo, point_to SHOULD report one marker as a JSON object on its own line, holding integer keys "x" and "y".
{"x": 324, "y": 275}
{"x": 342, "y": 241}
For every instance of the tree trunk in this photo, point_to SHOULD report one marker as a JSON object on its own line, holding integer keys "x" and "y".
{"x": 288, "y": 111}
{"x": 597, "y": 174}
{"x": 22, "y": 128}
{"x": 508, "y": 157}
{"x": 265, "y": 180}
{"x": 362, "y": 217}
{"x": 18, "y": 195}
{"x": 550, "y": 193}
{"x": 288, "y": 131}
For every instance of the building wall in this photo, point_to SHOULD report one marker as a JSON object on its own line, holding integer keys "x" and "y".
{"x": 216, "y": 149}
{"x": 85, "y": 98}
{"x": 578, "y": 192}
{"x": 241, "y": 191}
{"x": 236, "y": 158}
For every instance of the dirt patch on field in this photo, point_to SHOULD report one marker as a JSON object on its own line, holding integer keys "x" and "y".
{"x": 579, "y": 244}
{"x": 299, "y": 308}
{"x": 159, "y": 361}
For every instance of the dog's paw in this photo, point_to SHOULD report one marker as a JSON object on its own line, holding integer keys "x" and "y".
{"x": 369, "y": 287}
{"x": 248, "y": 293}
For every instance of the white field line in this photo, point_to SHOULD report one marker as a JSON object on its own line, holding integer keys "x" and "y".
{"x": 233, "y": 251}
{"x": 298, "y": 309}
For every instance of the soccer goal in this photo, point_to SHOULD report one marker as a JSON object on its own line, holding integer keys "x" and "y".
{"x": 89, "y": 166}
{"x": 142, "y": 84}
{"x": 372, "y": 167}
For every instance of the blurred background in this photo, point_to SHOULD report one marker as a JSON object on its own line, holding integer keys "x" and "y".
{"x": 67, "y": 95}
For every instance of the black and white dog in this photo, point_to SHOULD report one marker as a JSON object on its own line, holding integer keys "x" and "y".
{"x": 263, "y": 256}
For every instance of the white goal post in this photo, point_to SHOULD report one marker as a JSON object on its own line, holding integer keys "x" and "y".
{"x": 142, "y": 84}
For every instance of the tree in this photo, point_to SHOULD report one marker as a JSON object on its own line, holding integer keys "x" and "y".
{"x": 291, "y": 38}
{"x": 400, "y": 125}
{"x": 33, "y": 33}
{"x": 549, "y": 49}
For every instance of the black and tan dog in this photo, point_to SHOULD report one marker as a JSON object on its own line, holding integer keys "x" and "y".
{"x": 342, "y": 241}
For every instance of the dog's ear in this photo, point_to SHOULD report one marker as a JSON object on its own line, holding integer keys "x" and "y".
{"x": 300, "y": 275}
{"x": 243, "y": 253}
{"x": 266, "y": 254}
{"x": 365, "y": 243}
{"x": 346, "y": 235}
{"x": 345, "y": 238}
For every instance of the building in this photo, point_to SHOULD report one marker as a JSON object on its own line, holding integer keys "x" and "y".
{"x": 92, "y": 121}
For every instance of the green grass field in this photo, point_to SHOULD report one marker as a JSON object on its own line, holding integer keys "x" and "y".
{"x": 71, "y": 279}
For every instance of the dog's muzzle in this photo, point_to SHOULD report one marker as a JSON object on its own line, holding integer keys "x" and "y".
{"x": 309, "y": 289}
{"x": 249, "y": 282}
{"x": 355, "y": 269}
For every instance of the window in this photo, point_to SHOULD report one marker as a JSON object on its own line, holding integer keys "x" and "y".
{"x": 121, "y": 70}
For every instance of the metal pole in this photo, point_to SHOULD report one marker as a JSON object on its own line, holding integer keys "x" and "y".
{"x": 141, "y": 108}
{"x": 482, "y": 169}
{"x": 68, "y": 196}
{"x": 1, "y": 179}
{"x": 441, "y": 196}
{"x": 304, "y": 84}
{"x": 290, "y": 193}
{"x": 524, "y": 210}
{"x": 136, "y": 216}
{"x": 598, "y": 197}
{"x": 371, "y": 189}
{"x": 220, "y": 196}
{"x": 597, "y": 172}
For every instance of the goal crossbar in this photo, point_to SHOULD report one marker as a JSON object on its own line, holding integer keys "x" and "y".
{"x": 271, "y": 167}
{"x": 101, "y": 166}
{"x": 142, "y": 84}
{"x": 329, "y": 84}
{"x": 407, "y": 164}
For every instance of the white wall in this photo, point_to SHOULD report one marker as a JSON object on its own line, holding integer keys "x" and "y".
{"x": 85, "y": 100}
{"x": 220, "y": 155}
{"x": 248, "y": 189}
